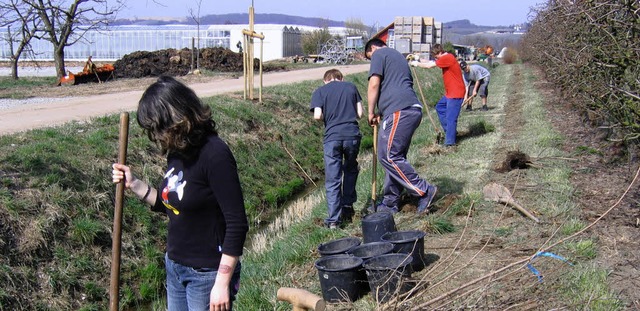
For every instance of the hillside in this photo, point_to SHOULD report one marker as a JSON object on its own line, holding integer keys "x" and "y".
{"x": 238, "y": 18}
{"x": 462, "y": 27}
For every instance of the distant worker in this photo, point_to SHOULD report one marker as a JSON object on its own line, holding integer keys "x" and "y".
{"x": 339, "y": 105}
{"x": 390, "y": 90}
{"x": 489, "y": 52}
{"x": 239, "y": 46}
{"x": 89, "y": 66}
{"x": 448, "y": 107}
{"x": 476, "y": 79}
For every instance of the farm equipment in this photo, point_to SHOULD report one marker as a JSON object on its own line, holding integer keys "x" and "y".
{"x": 313, "y": 58}
{"x": 335, "y": 51}
{"x": 90, "y": 73}
{"x": 339, "y": 51}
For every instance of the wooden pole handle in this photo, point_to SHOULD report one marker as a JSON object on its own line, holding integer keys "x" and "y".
{"x": 375, "y": 166}
{"x": 301, "y": 299}
{"x": 117, "y": 216}
{"x": 520, "y": 208}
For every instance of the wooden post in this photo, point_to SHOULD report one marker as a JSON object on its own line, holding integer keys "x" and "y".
{"x": 193, "y": 51}
{"x": 261, "y": 55}
{"x": 117, "y": 217}
{"x": 244, "y": 65}
{"x": 248, "y": 60}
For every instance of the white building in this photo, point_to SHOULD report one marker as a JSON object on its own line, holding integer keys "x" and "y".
{"x": 116, "y": 41}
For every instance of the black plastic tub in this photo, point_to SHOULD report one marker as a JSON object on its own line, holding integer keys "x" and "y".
{"x": 339, "y": 277}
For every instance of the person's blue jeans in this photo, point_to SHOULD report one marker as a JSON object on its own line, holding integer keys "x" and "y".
{"x": 341, "y": 173}
{"x": 189, "y": 289}
{"x": 448, "y": 111}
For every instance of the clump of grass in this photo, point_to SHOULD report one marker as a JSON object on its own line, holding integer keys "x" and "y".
{"x": 583, "y": 249}
{"x": 439, "y": 225}
{"x": 588, "y": 150}
{"x": 85, "y": 230}
{"x": 480, "y": 127}
{"x": 461, "y": 204}
{"x": 152, "y": 278}
{"x": 587, "y": 288}
{"x": 572, "y": 226}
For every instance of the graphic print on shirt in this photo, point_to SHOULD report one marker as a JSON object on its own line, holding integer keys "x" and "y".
{"x": 174, "y": 184}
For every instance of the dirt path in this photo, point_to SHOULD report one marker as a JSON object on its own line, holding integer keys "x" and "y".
{"x": 24, "y": 117}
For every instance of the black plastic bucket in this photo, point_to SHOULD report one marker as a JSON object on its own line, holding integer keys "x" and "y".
{"x": 373, "y": 249}
{"x": 339, "y": 246}
{"x": 386, "y": 274}
{"x": 339, "y": 275}
{"x": 366, "y": 251}
{"x": 375, "y": 225}
{"x": 410, "y": 242}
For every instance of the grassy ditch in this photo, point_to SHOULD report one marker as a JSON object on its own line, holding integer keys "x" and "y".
{"x": 56, "y": 206}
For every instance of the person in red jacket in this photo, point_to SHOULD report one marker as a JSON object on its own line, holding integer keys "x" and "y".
{"x": 448, "y": 107}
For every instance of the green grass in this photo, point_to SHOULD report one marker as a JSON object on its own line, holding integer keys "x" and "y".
{"x": 8, "y": 83}
{"x": 584, "y": 249}
{"x": 572, "y": 226}
{"x": 18, "y": 89}
{"x": 586, "y": 288}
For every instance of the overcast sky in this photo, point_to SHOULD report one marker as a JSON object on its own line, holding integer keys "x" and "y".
{"x": 370, "y": 12}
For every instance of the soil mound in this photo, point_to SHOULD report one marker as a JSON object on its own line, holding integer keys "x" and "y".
{"x": 176, "y": 62}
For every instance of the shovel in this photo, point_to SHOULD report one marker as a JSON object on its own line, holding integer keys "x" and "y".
{"x": 499, "y": 193}
{"x": 467, "y": 102}
{"x": 374, "y": 168}
{"x": 439, "y": 135}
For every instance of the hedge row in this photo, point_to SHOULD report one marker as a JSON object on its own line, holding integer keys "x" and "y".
{"x": 590, "y": 49}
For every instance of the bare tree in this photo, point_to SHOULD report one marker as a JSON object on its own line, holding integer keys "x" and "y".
{"x": 14, "y": 13}
{"x": 355, "y": 27}
{"x": 312, "y": 41}
{"x": 64, "y": 22}
{"x": 195, "y": 15}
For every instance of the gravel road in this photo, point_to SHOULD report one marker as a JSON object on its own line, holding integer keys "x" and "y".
{"x": 25, "y": 114}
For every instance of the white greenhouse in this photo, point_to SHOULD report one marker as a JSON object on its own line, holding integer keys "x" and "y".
{"x": 116, "y": 41}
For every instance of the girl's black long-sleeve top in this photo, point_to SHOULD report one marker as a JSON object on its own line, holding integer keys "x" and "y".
{"x": 203, "y": 199}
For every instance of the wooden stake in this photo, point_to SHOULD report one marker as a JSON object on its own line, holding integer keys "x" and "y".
{"x": 117, "y": 216}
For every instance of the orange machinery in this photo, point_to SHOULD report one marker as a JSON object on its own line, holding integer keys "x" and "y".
{"x": 90, "y": 73}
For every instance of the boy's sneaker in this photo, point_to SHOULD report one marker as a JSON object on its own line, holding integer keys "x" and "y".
{"x": 425, "y": 201}
{"x": 469, "y": 108}
{"x": 332, "y": 225}
{"x": 484, "y": 108}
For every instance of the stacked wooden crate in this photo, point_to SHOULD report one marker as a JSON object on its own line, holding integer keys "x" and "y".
{"x": 418, "y": 32}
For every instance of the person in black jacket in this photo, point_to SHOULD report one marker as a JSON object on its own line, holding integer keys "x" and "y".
{"x": 200, "y": 193}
